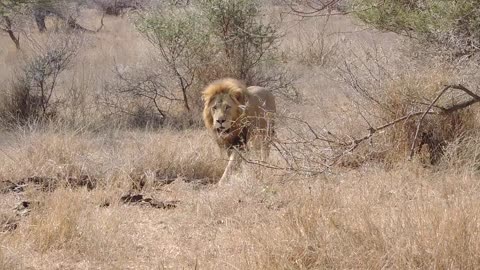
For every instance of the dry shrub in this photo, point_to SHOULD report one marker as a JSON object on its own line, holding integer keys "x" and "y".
{"x": 413, "y": 93}
{"x": 315, "y": 49}
{"x": 32, "y": 97}
{"x": 389, "y": 97}
{"x": 19, "y": 105}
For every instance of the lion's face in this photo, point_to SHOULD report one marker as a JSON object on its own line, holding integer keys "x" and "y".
{"x": 225, "y": 110}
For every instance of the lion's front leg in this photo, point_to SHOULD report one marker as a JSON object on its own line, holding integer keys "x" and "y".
{"x": 233, "y": 161}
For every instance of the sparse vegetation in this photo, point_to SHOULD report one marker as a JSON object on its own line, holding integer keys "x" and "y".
{"x": 410, "y": 95}
{"x": 31, "y": 97}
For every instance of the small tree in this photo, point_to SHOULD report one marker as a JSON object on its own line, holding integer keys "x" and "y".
{"x": 10, "y": 9}
{"x": 181, "y": 43}
{"x": 245, "y": 41}
{"x": 32, "y": 93}
{"x": 209, "y": 39}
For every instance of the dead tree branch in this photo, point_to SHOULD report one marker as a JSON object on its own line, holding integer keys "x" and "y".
{"x": 456, "y": 107}
{"x": 419, "y": 124}
{"x": 293, "y": 153}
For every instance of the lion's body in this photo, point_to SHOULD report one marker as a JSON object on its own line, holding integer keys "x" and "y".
{"x": 240, "y": 118}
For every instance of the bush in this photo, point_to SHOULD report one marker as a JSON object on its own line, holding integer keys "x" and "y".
{"x": 410, "y": 94}
{"x": 203, "y": 41}
{"x": 245, "y": 42}
{"x": 413, "y": 93}
{"x": 31, "y": 97}
{"x": 454, "y": 24}
{"x": 181, "y": 43}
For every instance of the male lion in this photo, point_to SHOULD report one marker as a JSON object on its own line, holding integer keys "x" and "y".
{"x": 239, "y": 117}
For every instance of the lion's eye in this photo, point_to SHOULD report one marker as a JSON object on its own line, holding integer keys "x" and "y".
{"x": 227, "y": 107}
{"x": 214, "y": 108}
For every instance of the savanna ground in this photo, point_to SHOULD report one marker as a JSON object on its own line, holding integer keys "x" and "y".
{"x": 65, "y": 182}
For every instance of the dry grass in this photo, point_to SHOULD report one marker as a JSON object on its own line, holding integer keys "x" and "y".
{"x": 408, "y": 217}
{"x": 413, "y": 93}
{"x": 110, "y": 155}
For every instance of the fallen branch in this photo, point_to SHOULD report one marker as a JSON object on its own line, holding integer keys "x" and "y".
{"x": 343, "y": 147}
{"x": 414, "y": 143}
{"x": 372, "y": 131}
{"x": 456, "y": 107}
{"x": 289, "y": 168}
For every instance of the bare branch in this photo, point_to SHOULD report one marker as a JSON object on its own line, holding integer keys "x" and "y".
{"x": 414, "y": 143}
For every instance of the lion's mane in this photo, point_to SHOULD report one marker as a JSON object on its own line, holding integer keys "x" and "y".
{"x": 238, "y": 91}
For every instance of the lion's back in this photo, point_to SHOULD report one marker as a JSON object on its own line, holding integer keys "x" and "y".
{"x": 261, "y": 99}
{"x": 261, "y": 109}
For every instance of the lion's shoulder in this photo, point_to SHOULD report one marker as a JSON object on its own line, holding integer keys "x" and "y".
{"x": 260, "y": 99}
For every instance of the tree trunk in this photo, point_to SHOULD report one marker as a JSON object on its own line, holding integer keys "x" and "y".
{"x": 9, "y": 30}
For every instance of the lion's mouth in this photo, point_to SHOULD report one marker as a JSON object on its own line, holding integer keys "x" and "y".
{"x": 223, "y": 130}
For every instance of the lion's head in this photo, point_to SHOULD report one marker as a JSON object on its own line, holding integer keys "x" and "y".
{"x": 224, "y": 106}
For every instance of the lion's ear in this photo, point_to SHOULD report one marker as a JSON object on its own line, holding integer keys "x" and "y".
{"x": 240, "y": 97}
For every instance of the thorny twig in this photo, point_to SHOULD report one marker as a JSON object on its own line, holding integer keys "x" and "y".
{"x": 432, "y": 109}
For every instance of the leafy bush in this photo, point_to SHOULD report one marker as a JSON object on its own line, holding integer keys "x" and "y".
{"x": 181, "y": 42}
{"x": 211, "y": 39}
{"x": 245, "y": 42}
{"x": 454, "y": 24}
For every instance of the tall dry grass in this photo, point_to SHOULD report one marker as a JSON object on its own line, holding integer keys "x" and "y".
{"x": 407, "y": 217}
{"x": 112, "y": 154}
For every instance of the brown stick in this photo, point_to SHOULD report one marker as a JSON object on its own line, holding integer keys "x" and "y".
{"x": 456, "y": 107}
{"x": 372, "y": 130}
{"x": 419, "y": 124}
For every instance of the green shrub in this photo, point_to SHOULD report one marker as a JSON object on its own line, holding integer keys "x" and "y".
{"x": 244, "y": 40}
{"x": 454, "y": 24}
{"x": 202, "y": 41}
{"x": 215, "y": 38}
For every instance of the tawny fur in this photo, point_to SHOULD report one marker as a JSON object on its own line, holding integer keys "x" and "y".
{"x": 252, "y": 117}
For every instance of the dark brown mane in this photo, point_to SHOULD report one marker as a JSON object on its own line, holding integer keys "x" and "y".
{"x": 237, "y": 140}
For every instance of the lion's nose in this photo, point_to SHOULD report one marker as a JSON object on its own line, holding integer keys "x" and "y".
{"x": 220, "y": 121}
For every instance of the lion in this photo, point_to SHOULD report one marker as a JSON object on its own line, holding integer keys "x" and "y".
{"x": 240, "y": 118}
